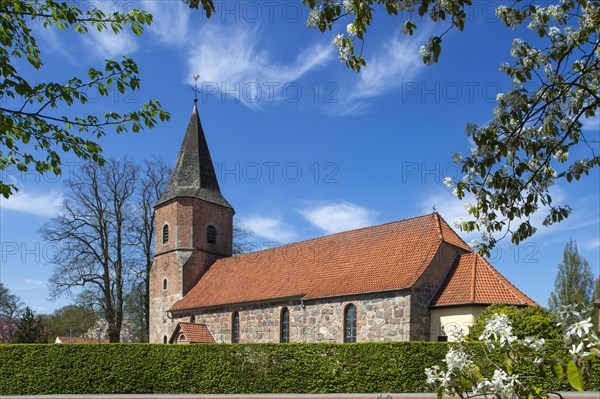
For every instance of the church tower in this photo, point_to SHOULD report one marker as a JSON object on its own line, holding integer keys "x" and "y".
{"x": 193, "y": 226}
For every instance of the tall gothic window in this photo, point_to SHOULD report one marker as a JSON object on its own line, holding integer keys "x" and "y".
{"x": 211, "y": 234}
{"x": 284, "y": 326}
{"x": 165, "y": 284}
{"x": 235, "y": 328}
{"x": 165, "y": 234}
{"x": 350, "y": 323}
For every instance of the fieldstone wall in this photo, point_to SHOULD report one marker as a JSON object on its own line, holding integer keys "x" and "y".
{"x": 426, "y": 287}
{"x": 380, "y": 317}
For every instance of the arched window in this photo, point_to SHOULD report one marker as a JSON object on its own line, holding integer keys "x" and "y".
{"x": 192, "y": 319}
{"x": 165, "y": 235}
{"x": 350, "y": 323}
{"x": 235, "y": 328}
{"x": 165, "y": 284}
{"x": 182, "y": 337}
{"x": 165, "y": 339}
{"x": 284, "y": 326}
{"x": 211, "y": 234}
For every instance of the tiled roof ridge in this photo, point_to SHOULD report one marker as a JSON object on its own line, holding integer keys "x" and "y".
{"x": 438, "y": 224}
{"x": 440, "y": 219}
{"x": 474, "y": 280}
{"x": 326, "y": 236}
{"x": 504, "y": 280}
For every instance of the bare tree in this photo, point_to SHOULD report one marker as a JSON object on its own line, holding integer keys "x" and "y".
{"x": 153, "y": 183}
{"x": 95, "y": 239}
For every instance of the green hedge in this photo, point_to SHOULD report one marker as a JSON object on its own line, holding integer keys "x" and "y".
{"x": 218, "y": 368}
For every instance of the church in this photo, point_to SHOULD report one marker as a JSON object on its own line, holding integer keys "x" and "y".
{"x": 413, "y": 279}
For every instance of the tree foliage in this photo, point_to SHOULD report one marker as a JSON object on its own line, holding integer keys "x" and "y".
{"x": 69, "y": 321}
{"x": 574, "y": 282}
{"x": 526, "y": 321}
{"x": 10, "y": 308}
{"x": 535, "y": 138}
{"x": 30, "y": 329}
{"x": 33, "y": 132}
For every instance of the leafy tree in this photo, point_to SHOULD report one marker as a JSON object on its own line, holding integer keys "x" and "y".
{"x": 70, "y": 321}
{"x": 526, "y": 321}
{"x": 574, "y": 282}
{"x": 32, "y": 131}
{"x": 30, "y": 329}
{"x": 10, "y": 307}
{"x": 535, "y": 138}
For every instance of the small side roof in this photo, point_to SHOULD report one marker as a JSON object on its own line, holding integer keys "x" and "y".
{"x": 474, "y": 281}
{"x": 194, "y": 333}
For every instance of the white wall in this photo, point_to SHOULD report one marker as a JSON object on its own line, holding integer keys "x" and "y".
{"x": 448, "y": 319}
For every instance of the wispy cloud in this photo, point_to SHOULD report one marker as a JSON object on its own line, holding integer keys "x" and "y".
{"x": 591, "y": 244}
{"x": 269, "y": 228}
{"x": 107, "y": 44}
{"x": 592, "y": 124}
{"x": 394, "y": 64}
{"x": 46, "y": 205}
{"x": 170, "y": 21}
{"x": 453, "y": 209}
{"x": 231, "y": 62}
{"x": 339, "y": 216}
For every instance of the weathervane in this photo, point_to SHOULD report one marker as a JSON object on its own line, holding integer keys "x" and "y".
{"x": 196, "y": 77}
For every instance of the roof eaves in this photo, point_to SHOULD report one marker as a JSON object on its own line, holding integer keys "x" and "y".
{"x": 231, "y": 304}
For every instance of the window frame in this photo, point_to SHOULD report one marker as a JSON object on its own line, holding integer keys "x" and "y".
{"x": 166, "y": 234}
{"x": 235, "y": 328}
{"x": 284, "y": 326}
{"x": 349, "y": 328}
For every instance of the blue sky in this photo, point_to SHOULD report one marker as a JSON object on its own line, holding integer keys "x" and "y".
{"x": 303, "y": 146}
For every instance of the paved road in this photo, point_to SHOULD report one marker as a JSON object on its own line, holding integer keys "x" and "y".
{"x": 566, "y": 395}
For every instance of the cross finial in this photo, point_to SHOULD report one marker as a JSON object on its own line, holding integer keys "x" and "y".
{"x": 434, "y": 210}
{"x": 196, "y": 77}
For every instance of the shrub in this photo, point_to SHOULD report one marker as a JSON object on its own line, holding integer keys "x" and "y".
{"x": 526, "y": 321}
{"x": 219, "y": 368}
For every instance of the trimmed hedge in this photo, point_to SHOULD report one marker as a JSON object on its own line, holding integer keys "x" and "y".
{"x": 220, "y": 368}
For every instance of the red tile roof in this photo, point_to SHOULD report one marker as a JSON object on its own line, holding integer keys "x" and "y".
{"x": 474, "y": 281}
{"x": 78, "y": 340}
{"x": 194, "y": 333}
{"x": 391, "y": 256}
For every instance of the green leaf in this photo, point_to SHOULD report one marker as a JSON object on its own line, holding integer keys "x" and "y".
{"x": 574, "y": 376}
{"x": 557, "y": 369}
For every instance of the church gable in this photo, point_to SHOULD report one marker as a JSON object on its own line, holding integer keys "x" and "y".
{"x": 388, "y": 257}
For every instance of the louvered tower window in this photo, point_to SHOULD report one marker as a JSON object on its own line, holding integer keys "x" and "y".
{"x": 165, "y": 234}
{"x": 211, "y": 234}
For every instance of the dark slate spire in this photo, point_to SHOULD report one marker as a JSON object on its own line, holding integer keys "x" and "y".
{"x": 194, "y": 175}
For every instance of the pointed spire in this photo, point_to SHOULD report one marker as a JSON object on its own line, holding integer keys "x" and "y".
{"x": 194, "y": 174}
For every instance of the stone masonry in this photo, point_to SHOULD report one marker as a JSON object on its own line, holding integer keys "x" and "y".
{"x": 380, "y": 317}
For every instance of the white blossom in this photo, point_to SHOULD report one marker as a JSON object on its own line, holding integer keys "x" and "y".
{"x": 313, "y": 18}
{"x": 580, "y": 328}
{"x": 448, "y": 182}
{"x": 351, "y": 28}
